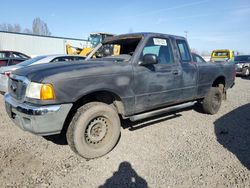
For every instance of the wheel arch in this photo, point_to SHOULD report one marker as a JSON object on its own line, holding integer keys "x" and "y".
{"x": 103, "y": 95}
{"x": 219, "y": 80}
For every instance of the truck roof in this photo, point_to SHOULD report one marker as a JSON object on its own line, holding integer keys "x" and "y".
{"x": 140, "y": 34}
{"x": 221, "y": 50}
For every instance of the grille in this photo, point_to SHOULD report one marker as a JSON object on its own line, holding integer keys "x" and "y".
{"x": 17, "y": 88}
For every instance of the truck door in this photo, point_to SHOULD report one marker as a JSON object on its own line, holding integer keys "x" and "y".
{"x": 189, "y": 71}
{"x": 158, "y": 84}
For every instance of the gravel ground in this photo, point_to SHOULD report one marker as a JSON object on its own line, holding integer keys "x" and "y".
{"x": 188, "y": 149}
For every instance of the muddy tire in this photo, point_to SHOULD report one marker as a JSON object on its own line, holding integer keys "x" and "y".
{"x": 212, "y": 101}
{"x": 94, "y": 130}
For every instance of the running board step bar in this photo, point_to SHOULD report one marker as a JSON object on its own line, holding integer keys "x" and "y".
{"x": 161, "y": 111}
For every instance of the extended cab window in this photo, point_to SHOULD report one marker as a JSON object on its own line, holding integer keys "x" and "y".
{"x": 198, "y": 59}
{"x": 161, "y": 48}
{"x": 183, "y": 50}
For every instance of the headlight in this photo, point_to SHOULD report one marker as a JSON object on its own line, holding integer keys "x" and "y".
{"x": 239, "y": 65}
{"x": 40, "y": 91}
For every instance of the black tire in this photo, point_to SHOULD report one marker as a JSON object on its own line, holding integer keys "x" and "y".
{"x": 212, "y": 101}
{"x": 94, "y": 130}
{"x": 246, "y": 71}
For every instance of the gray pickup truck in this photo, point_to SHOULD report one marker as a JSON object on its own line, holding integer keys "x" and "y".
{"x": 152, "y": 74}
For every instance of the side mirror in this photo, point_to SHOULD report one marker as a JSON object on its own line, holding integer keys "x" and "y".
{"x": 149, "y": 59}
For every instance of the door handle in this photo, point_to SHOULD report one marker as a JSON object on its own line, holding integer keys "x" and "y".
{"x": 175, "y": 72}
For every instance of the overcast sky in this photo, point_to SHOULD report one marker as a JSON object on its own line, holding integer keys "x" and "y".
{"x": 209, "y": 24}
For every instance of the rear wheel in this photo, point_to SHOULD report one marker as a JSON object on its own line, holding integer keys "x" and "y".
{"x": 94, "y": 130}
{"x": 212, "y": 101}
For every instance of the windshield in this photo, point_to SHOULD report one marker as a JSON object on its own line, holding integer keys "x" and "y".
{"x": 120, "y": 49}
{"x": 221, "y": 54}
{"x": 242, "y": 58}
{"x": 31, "y": 61}
{"x": 95, "y": 40}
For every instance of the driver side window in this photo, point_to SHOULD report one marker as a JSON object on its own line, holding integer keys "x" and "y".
{"x": 161, "y": 48}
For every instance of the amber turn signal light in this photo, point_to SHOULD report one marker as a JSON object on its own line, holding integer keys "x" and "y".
{"x": 47, "y": 92}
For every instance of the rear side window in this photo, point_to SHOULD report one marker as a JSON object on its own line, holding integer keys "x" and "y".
{"x": 67, "y": 58}
{"x": 19, "y": 55}
{"x": 16, "y": 55}
{"x": 183, "y": 50}
{"x": 4, "y": 54}
{"x": 79, "y": 58}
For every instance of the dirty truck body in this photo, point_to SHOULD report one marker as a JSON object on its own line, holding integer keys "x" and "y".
{"x": 153, "y": 71}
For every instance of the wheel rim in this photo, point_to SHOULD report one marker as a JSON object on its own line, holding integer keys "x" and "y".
{"x": 247, "y": 72}
{"x": 96, "y": 131}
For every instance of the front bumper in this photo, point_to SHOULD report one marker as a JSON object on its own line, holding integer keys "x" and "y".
{"x": 40, "y": 120}
{"x": 241, "y": 72}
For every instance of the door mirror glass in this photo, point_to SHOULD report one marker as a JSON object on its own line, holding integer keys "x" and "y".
{"x": 149, "y": 59}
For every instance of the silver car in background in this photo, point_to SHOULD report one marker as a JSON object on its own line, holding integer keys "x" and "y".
{"x": 242, "y": 63}
{"x": 6, "y": 71}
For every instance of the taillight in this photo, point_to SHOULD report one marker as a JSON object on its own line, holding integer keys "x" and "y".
{"x": 7, "y": 74}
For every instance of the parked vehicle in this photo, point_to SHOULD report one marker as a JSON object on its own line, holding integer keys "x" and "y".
{"x": 8, "y": 58}
{"x": 219, "y": 56}
{"x": 197, "y": 58}
{"x": 242, "y": 63}
{"x": 153, "y": 74}
{"x": 6, "y": 71}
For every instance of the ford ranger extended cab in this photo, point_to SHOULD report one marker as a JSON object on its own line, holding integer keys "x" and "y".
{"x": 152, "y": 74}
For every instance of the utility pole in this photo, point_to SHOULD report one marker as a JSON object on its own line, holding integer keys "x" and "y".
{"x": 186, "y": 33}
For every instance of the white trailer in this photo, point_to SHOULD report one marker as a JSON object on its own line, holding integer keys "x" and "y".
{"x": 34, "y": 45}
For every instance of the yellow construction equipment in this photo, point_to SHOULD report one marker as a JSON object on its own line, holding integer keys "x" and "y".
{"x": 71, "y": 50}
{"x": 95, "y": 39}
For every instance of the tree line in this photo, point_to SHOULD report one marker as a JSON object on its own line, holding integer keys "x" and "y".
{"x": 39, "y": 27}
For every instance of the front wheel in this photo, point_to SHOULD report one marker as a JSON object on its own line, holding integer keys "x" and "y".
{"x": 246, "y": 71}
{"x": 94, "y": 130}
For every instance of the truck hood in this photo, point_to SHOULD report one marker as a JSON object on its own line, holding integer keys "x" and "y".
{"x": 62, "y": 70}
{"x": 242, "y": 62}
